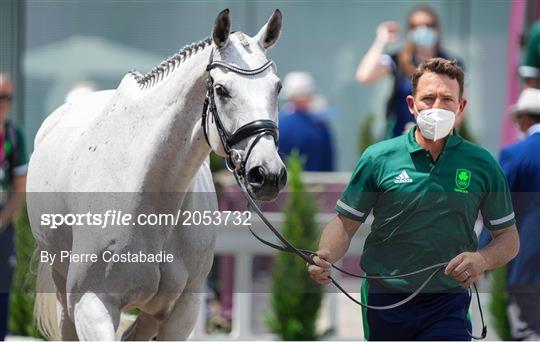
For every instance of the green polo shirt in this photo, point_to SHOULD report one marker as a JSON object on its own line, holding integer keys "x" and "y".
{"x": 424, "y": 211}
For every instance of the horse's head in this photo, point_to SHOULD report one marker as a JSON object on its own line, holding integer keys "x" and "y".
{"x": 241, "y": 121}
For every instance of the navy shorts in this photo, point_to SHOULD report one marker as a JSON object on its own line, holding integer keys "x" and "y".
{"x": 427, "y": 317}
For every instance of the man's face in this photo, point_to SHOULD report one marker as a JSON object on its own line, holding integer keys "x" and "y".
{"x": 6, "y": 97}
{"x": 437, "y": 91}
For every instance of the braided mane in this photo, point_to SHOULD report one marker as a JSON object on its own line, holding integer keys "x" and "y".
{"x": 164, "y": 68}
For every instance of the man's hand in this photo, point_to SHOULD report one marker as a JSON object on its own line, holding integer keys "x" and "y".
{"x": 467, "y": 267}
{"x": 321, "y": 270}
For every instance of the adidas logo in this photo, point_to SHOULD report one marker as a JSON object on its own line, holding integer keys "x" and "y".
{"x": 403, "y": 178}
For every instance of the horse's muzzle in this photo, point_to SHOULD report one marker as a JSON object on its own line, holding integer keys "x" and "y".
{"x": 264, "y": 185}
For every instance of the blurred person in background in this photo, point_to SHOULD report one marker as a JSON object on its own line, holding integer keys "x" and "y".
{"x": 521, "y": 165}
{"x": 530, "y": 69}
{"x": 304, "y": 123}
{"x": 13, "y": 166}
{"x": 423, "y": 41}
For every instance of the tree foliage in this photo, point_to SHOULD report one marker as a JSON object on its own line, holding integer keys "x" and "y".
{"x": 24, "y": 281}
{"x": 296, "y": 298}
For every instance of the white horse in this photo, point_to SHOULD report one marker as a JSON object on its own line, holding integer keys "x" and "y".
{"x": 147, "y": 137}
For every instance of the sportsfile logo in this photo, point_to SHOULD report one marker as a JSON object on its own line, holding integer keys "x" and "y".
{"x": 403, "y": 178}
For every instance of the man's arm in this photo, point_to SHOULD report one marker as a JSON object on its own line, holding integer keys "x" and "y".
{"x": 14, "y": 202}
{"x": 467, "y": 267}
{"x": 335, "y": 240}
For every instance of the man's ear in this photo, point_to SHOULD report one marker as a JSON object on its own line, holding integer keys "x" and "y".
{"x": 462, "y": 104}
{"x": 410, "y": 103}
{"x": 460, "y": 112}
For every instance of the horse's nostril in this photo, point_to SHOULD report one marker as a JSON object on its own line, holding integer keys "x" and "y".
{"x": 282, "y": 178}
{"x": 256, "y": 175}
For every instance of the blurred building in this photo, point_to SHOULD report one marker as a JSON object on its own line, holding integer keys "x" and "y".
{"x": 322, "y": 37}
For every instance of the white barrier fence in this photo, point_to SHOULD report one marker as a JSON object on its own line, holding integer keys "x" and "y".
{"x": 244, "y": 247}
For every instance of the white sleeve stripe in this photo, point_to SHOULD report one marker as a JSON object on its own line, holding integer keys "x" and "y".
{"x": 502, "y": 219}
{"x": 20, "y": 170}
{"x": 349, "y": 209}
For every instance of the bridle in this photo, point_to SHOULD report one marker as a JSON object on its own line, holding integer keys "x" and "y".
{"x": 257, "y": 128}
{"x": 236, "y": 164}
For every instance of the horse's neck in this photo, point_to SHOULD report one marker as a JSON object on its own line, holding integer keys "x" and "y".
{"x": 179, "y": 147}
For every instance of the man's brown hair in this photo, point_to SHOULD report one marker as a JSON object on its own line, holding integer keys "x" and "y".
{"x": 439, "y": 66}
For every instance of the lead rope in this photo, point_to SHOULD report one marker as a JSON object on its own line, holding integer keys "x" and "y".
{"x": 308, "y": 257}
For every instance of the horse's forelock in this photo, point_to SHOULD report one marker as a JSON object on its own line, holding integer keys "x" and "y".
{"x": 242, "y": 51}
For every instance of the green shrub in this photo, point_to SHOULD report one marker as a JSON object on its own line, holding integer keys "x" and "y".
{"x": 24, "y": 279}
{"x": 296, "y": 298}
{"x": 498, "y": 304}
{"x": 365, "y": 133}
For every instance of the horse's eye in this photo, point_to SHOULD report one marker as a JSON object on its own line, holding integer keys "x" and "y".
{"x": 221, "y": 91}
{"x": 279, "y": 86}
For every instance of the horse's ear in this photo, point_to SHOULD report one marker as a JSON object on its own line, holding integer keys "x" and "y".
{"x": 222, "y": 29}
{"x": 269, "y": 33}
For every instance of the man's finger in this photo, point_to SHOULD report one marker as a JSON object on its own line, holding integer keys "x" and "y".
{"x": 453, "y": 264}
{"x": 462, "y": 266}
{"x": 324, "y": 267}
{"x": 462, "y": 277}
{"x": 315, "y": 270}
{"x": 320, "y": 261}
{"x": 324, "y": 275}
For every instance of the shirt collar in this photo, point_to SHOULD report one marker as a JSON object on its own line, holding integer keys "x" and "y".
{"x": 533, "y": 129}
{"x": 412, "y": 146}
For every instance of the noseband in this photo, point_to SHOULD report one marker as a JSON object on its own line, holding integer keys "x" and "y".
{"x": 258, "y": 128}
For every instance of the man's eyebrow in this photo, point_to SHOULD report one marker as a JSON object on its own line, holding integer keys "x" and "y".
{"x": 427, "y": 93}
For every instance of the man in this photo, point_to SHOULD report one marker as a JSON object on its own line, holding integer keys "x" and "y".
{"x": 304, "y": 126}
{"x": 13, "y": 165}
{"x": 521, "y": 165}
{"x": 426, "y": 189}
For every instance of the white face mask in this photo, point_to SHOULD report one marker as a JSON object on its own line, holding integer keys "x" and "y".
{"x": 435, "y": 123}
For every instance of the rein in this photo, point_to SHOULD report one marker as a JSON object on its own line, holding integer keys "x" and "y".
{"x": 236, "y": 164}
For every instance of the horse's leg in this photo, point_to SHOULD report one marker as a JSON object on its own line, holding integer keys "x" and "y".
{"x": 67, "y": 327}
{"x": 181, "y": 321}
{"x": 144, "y": 328}
{"x": 196, "y": 247}
{"x": 96, "y": 315}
